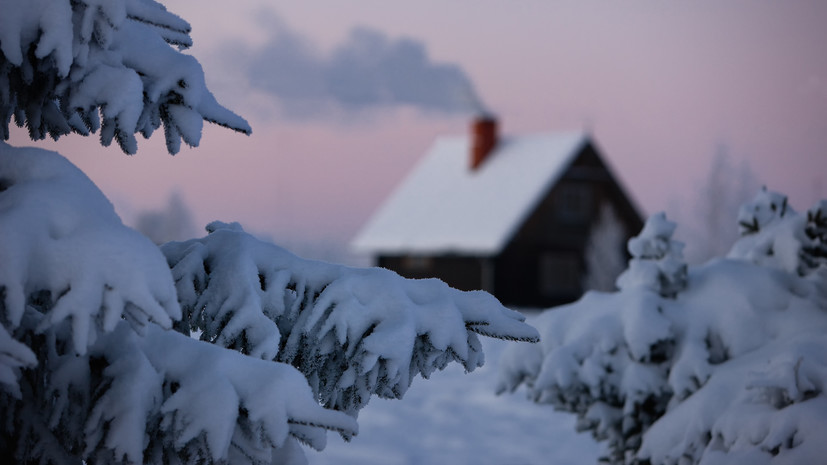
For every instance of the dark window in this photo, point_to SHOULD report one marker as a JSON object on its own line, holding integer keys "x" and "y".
{"x": 573, "y": 202}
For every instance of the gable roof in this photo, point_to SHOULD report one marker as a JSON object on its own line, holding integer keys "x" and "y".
{"x": 445, "y": 207}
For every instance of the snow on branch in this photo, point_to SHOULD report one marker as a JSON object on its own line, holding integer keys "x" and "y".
{"x": 729, "y": 366}
{"x": 774, "y": 235}
{"x": 240, "y": 409}
{"x": 657, "y": 260}
{"x": 90, "y": 369}
{"x": 64, "y": 244}
{"x": 352, "y": 332}
{"x": 13, "y": 356}
{"x": 162, "y": 397}
{"x": 814, "y": 251}
{"x": 83, "y": 66}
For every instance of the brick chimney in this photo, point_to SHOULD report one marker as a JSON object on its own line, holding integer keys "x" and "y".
{"x": 483, "y": 139}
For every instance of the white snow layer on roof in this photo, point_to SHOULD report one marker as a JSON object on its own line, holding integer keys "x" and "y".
{"x": 444, "y": 206}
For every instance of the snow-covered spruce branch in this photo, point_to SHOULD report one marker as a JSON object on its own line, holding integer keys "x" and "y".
{"x": 63, "y": 242}
{"x": 88, "y": 369}
{"x": 161, "y": 397}
{"x": 352, "y": 332}
{"x": 13, "y": 356}
{"x": 80, "y": 66}
{"x": 775, "y": 235}
{"x": 729, "y": 368}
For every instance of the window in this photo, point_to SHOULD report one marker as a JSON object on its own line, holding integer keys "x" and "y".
{"x": 573, "y": 202}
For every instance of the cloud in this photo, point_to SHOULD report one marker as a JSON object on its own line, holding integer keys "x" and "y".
{"x": 368, "y": 70}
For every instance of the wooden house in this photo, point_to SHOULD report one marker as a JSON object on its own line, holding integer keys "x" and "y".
{"x": 509, "y": 215}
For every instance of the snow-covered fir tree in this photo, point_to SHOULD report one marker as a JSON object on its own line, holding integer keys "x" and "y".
{"x": 724, "y": 363}
{"x": 223, "y": 349}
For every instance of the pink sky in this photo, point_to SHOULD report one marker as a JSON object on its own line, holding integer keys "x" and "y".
{"x": 661, "y": 85}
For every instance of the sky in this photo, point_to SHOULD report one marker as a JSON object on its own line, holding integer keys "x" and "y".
{"x": 334, "y": 92}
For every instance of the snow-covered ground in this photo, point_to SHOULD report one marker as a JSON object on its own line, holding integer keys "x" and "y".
{"x": 455, "y": 418}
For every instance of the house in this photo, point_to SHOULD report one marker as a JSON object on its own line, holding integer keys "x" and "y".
{"x": 509, "y": 215}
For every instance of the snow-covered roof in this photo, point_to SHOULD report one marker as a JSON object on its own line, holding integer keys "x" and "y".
{"x": 445, "y": 207}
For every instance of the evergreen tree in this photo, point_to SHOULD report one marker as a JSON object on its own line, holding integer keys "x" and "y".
{"x": 222, "y": 349}
{"x": 84, "y": 66}
{"x": 720, "y": 363}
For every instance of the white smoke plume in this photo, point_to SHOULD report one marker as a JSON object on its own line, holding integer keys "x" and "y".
{"x": 368, "y": 70}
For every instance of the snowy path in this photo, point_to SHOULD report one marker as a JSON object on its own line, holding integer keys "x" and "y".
{"x": 456, "y": 419}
